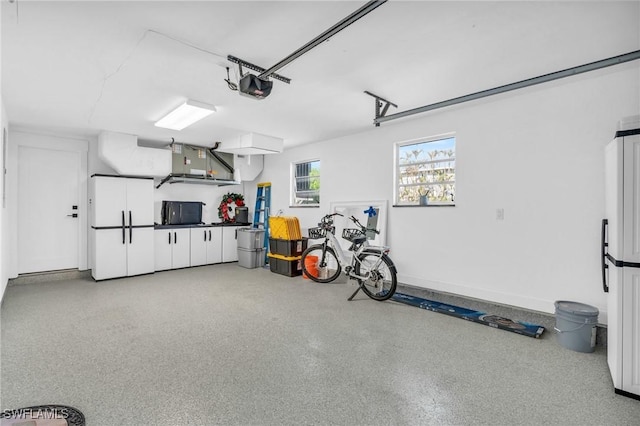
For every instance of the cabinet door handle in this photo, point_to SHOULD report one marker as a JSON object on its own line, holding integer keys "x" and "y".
{"x": 130, "y": 229}
{"x": 123, "y": 231}
{"x": 205, "y": 235}
{"x": 175, "y": 238}
{"x": 169, "y": 237}
{"x": 209, "y": 235}
{"x": 603, "y": 247}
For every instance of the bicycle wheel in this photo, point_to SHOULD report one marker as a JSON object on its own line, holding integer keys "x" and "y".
{"x": 381, "y": 282}
{"x": 320, "y": 264}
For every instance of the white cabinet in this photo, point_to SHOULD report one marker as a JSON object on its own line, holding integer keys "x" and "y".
{"x": 622, "y": 246}
{"x": 121, "y": 226}
{"x": 172, "y": 248}
{"x": 230, "y": 243}
{"x": 214, "y": 245}
{"x": 110, "y": 254}
{"x": 121, "y": 201}
{"x": 199, "y": 246}
{"x": 206, "y": 245}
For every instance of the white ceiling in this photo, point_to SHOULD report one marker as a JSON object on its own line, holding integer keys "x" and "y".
{"x": 85, "y": 66}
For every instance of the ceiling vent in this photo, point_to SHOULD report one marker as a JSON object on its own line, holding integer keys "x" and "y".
{"x": 253, "y": 143}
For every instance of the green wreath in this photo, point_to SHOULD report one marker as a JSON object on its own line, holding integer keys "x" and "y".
{"x": 227, "y": 200}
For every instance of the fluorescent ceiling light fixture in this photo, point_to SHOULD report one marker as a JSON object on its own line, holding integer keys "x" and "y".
{"x": 185, "y": 115}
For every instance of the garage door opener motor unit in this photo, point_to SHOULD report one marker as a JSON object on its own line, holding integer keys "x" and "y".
{"x": 254, "y": 86}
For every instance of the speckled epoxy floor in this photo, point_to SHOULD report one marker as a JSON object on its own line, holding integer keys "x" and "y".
{"x": 226, "y": 345}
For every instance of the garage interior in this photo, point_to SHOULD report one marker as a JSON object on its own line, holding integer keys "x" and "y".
{"x": 531, "y": 93}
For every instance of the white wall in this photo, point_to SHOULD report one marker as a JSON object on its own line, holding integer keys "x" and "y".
{"x": 4, "y": 225}
{"x": 4, "y": 218}
{"x": 537, "y": 153}
{"x": 210, "y": 195}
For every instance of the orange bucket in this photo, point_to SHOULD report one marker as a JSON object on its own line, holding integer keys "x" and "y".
{"x": 310, "y": 263}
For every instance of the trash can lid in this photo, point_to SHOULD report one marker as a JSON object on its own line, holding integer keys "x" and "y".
{"x": 576, "y": 308}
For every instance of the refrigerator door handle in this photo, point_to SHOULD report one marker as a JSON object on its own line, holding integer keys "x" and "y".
{"x": 603, "y": 246}
{"x": 123, "y": 232}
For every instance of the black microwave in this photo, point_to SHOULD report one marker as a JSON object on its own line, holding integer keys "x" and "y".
{"x": 182, "y": 212}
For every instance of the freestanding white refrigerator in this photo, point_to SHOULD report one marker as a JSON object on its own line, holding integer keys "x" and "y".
{"x": 621, "y": 257}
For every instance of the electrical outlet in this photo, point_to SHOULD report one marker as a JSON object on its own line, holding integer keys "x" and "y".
{"x": 500, "y": 214}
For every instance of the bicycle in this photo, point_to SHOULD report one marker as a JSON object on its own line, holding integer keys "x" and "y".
{"x": 370, "y": 265}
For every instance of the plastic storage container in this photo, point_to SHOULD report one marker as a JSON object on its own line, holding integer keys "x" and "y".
{"x": 576, "y": 325}
{"x": 287, "y": 248}
{"x": 283, "y": 265}
{"x": 250, "y": 238}
{"x": 251, "y": 259}
{"x": 284, "y": 228}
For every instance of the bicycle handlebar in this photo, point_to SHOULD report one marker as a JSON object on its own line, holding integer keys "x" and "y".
{"x": 362, "y": 227}
{"x": 327, "y": 220}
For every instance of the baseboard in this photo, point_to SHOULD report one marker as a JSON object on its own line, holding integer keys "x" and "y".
{"x": 49, "y": 276}
{"x": 627, "y": 394}
{"x": 544, "y": 319}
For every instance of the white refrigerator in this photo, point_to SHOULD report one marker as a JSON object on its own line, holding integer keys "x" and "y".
{"x": 621, "y": 258}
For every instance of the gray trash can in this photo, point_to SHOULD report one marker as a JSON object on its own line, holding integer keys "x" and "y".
{"x": 576, "y": 325}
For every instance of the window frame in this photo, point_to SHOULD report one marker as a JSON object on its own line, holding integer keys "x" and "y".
{"x": 292, "y": 183}
{"x": 397, "y": 167}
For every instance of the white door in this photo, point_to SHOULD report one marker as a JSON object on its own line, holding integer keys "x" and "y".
{"x": 140, "y": 251}
{"x": 199, "y": 238}
{"x": 630, "y": 302}
{"x": 613, "y": 212}
{"x": 214, "y": 245}
{"x": 631, "y": 197}
{"x": 181, "y": 250}
{"x": 109, "y": 201}
{"x": 110, "y": 254}
{"x": 48, "y": 189}
{"x": 630, "y": 297}
{"x": 162, "y": 249}
{"x": 230, "y": 244}
{"x": 140, "y": 202}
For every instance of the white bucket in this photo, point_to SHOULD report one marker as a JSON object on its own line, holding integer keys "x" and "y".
{"x": 576, "y": 325}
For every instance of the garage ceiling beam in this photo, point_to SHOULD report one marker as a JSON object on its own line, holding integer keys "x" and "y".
{"x": 369, "y": 7}
{"x": 592, "y": 66}
{"x": 379, "y": 104}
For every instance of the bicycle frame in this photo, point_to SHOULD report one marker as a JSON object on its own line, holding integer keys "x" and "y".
{"x": 342, "y": 257}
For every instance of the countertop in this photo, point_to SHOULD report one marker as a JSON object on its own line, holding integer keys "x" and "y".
{"x": 202, "y": 225}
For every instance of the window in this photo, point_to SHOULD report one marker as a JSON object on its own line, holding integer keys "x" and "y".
{"x": 426, "y": 172}
{"x": 305, "y": 189}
